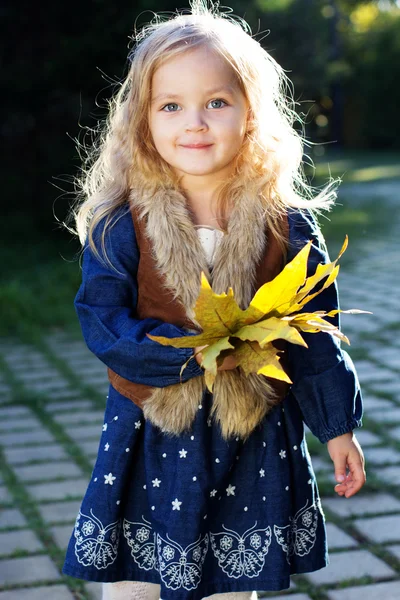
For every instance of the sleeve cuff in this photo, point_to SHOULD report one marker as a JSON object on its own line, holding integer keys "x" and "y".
{"x": 331, "y": 401}
{"x": 347, "y": 427}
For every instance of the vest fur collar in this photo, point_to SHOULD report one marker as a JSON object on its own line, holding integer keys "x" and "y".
{"x": 239, "y": 403}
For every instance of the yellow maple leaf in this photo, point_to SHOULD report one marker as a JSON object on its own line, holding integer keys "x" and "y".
{"x": 272, "y": 314}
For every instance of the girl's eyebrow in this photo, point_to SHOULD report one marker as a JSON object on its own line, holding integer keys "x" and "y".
{"x": 228, "y": 89}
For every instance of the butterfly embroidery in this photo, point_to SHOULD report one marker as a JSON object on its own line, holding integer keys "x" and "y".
{"x": 141, "y": 541}
{"x": 240, "y": 555}
{"x": 180, "y": 567}
{"x": 299, "y": 536}
{"x": 95, "y": 544}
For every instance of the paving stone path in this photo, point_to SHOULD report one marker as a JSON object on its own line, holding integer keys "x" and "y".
{"x": 52, "y": 397}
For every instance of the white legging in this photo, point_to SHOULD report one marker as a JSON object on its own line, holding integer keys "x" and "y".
{"x": 140, "y": 590}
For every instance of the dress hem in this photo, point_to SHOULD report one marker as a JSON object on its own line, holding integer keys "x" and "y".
{"x": 267, "y": 585}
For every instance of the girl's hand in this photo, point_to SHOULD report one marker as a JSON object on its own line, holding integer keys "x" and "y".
{"x": 228, "y": 363}
{"x": 345, "y": 452}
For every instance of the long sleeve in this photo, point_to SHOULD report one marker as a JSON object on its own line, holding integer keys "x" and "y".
{"x": 105, "y": 305}
{"x": 325, "y": 383}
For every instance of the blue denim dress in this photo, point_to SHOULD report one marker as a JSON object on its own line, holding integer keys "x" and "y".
{"x": 195, "y": 513}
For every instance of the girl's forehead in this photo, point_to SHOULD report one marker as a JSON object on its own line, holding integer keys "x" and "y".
{"x": 199, "y": 67}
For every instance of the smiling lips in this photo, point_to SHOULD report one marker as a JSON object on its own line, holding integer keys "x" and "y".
{"x": 196, "y": 146}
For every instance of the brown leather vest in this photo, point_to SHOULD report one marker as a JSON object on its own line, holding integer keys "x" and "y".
{"x": 155, "y": 301}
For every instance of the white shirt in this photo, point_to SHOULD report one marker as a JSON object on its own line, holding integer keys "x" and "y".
{"x": 210, "y": 238}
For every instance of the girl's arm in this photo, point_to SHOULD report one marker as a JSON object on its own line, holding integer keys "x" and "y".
{"x": 325, "y": 382}
{"x": 105, "y": 305}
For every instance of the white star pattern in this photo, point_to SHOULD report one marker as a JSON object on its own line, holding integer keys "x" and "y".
{"x": 192, "y": 437}
{"x": 106, "y": 447}
{"x": 262, "y": 473}
{"x": 164, "y": 455}
{"x": 176, "y": 505}
{"x": 153, "y": 508}
{"x": 194, "y": 478}
{"x": 217, "y": 460}
{"x": 156, "y": 482}
{"x": 245, "y": 509}
{"x": 264, "y": 498}
{"x": 138, "y": 424}
{"x": 282, "y": 453}
{"x": 105, "y": 427}
{"x": 294, "y": 447}
{"x": 182, "y": 453}
{"x": 213, "y": 493}
{"x": 109, "y": 479}
{"x": 230, "y": 490}
{"x": 127, "y": 450}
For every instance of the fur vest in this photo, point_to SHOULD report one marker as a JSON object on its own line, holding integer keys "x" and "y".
{"x": 171, "y": 260}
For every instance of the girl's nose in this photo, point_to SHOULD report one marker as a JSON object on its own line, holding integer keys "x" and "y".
{"x": 195, "y": 122}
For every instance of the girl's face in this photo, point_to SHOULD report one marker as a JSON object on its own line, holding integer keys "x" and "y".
{"x": 197, "y": 115}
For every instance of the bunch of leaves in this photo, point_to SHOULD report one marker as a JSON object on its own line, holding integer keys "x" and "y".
{"x": 273, "y": 313}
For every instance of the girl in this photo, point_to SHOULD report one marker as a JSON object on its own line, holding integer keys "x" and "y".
{"x": 196, "y": 494}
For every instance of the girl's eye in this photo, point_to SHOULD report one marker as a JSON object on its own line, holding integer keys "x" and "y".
{"x": 167, "y": 107}
{"x": 217, "y": 103}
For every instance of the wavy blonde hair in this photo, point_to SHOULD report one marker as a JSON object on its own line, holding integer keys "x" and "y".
{"x": 269, "y": 163}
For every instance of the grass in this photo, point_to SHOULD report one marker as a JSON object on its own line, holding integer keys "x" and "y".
{"x": 38, "y": 284}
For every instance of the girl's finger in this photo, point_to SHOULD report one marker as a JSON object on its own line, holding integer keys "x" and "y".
{"x": 358, "y": 479}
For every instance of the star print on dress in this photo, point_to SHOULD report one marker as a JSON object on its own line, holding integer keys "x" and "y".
{"x": 156, "y": 482}
{"x": 181, "y": 567}
{"x": 299, "y": 536}
{"x": 106, "y": 447}
{"x": 109, "y": 479}
{"x": 240, "y": 555}
{"x": 230, "y": 490}
{"x": 105, "y": 425}
{"x": 213, "y": 493}
{"x": 282, "y": 454}
{"x": 262, "y": 473}
{"x": 176, "y": 505}
{"x": 138, "y": 424}
{"x": 182, "y": 453}
{"x": 142, "y": 542}
{"x": 95, "y": 544}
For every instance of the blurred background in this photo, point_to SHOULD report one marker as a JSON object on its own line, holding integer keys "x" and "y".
{"x": 62, "y": 62}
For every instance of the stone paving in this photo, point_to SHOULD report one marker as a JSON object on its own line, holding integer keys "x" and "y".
{"x": 50, "y": 428}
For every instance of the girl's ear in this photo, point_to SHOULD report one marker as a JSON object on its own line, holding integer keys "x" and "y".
{"x": 249, "y": 119}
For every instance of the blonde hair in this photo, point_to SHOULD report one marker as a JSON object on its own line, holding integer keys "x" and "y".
{"x": 269, "y": 163}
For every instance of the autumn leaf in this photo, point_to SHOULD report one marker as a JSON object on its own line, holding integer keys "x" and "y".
{"x": 273, "y": 313}
{"x": 263, "y": 361}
